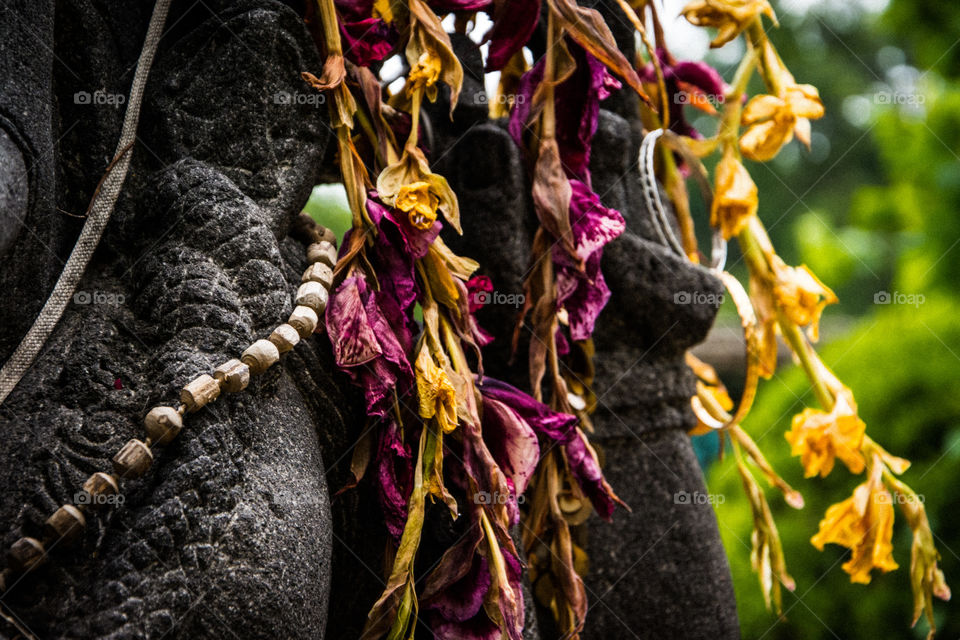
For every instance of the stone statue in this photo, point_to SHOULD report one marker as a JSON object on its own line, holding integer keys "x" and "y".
{"x": 236, "y": 531}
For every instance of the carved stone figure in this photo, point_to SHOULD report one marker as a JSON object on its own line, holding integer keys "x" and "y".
{"x": 235, "y": 531}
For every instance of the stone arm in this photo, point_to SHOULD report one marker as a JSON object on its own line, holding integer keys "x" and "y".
{"x": 233, "y": 532}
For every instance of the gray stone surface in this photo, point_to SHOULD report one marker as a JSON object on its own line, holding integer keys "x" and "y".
{"x": 235, "y": 532}
{"x": 230, "y": 533}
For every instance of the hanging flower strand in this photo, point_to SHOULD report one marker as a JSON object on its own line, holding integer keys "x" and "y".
{"x": 565, "y": 290}
{"x": 788, "y": 301}
{"x": 432, "y": 419}
{"x": 440, "y": 431}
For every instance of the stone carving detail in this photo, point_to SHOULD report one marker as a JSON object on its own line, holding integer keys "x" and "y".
{"x": 233, "y": 531}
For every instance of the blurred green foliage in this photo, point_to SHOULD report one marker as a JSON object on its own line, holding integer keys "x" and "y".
{"x": 877, "y": 212}
{"x": 328, "y": 205}
{"x": 899, "y": 364}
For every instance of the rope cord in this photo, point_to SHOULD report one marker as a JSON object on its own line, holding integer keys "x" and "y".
{"x": 98, "y": 215}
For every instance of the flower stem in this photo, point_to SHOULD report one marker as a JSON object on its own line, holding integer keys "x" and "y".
{"x": 730, "y": 124}
{"x": 654, "y": 59}
{"x": 370, "y": 133}
{"x": 331, "y": 29}
{"x": 549, "y": 117}
{"x": 755, "y": 256}
{"x": 499, "y": 568}
{"x": 414, "y": 136}
{"x": 799, "y": 345}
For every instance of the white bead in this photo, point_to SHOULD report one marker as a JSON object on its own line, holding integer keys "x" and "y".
{"x": 313, "y": 295}
{"x": 232, "y": 375}
{"x": 328, "y": 235}
{"x": 199, "y": 392}
{"x": 285, "y": 337}
{"x": 163, "y": 424}
{"x": 260, "y": 355}
{"x": 319, "y": 272}
{"x": 304, "y": 320}
{"x": 324, "y": 252}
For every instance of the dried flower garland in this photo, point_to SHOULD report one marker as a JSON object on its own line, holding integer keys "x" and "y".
{"x": 435, "y": 421}
{"x": 787, "y": 300}
{"x": 443, "y": 431}
{"x": 446, "y": 433}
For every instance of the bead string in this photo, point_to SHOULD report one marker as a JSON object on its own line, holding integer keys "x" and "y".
{"x": 164, "y": 423}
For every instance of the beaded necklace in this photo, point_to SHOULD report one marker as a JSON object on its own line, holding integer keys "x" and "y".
{"x": 163, "y": 423}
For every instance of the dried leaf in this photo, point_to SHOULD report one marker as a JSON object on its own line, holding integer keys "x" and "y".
{"x": 588, "y": 28}
{"x": 766, "y": 555}
{"x": 551, "y": 195}
{"x": 428, "y": 35}
{"x": 791, "y": 495}
{"x": 343, "y": 106}
{"x": 459, "y": 266}
{"x": 393, "y": 610}
{"x": 360, "y": 460}
{"x": 441, "y": 283}
{"x": 356, "y": 180}
{"x": 371, "y": 90}
{"x": 333, "y": 74}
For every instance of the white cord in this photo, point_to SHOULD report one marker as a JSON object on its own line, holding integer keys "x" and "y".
{"x": 651, "y": 196}
{"x": 98, "y": 215}
{"x": 651, "y": 193}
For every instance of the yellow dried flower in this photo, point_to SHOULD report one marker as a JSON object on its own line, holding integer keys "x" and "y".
{"x": 926, "y": 577}
{"x": 864, "y": 524}
{"x": 819, "y": 437}
{"x": 801, "y": 296}
{"x": 772, "y": 121}
{"x": 438, "y": 399}
{"x": 735, "y": 195}
{"x": 401, "y": 185}
{"x": 419, "y": 203}
{"x": 425, "y": 72}
{"x": 729, "y": 17}
{"x": 382, "y": 10}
